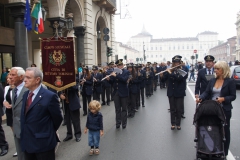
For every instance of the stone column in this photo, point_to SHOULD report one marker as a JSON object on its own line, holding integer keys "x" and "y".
{"x": 21, "y": 41}
{"x": 61, "y": 22}
{"x": 79, "y": 33}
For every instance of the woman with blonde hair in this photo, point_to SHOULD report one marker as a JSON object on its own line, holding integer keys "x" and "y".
{"x": 223, "y": 90}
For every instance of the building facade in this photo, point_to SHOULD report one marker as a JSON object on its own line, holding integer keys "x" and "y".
{"x": 238, "y": 37}
{"x": 162, "y": 50}
{"x": 18, "y": 47}
{"x": 225, "y": 51}
{"x": 128, "y": 54}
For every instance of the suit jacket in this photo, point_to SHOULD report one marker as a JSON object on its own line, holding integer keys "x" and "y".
{"x": 87, "y": 88}
{"x": 228, "y": 91}
{"x": 1, "y": 100}
{"x": 142, "y": 79}
{"x": 202, "y": 82}
{"x": 16, "y": 111}
{"x": 133, "y": 85}
{"x": 40, "y": 123}
{"x": 120, "y": 83}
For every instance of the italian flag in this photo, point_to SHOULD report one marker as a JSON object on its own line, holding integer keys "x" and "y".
{"x": 37, "y": 13}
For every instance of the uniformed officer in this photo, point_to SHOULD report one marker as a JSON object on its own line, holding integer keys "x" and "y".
{"x": 121, "y": 94}
{"x": 97, "y": 83}
{"x": 133, "y": 82}
{"x": 86, "y": 81}
{"x": 175, "y": 91}
{"x": 155, "y": 78}
{"x": 204, "y": 75}
{"x": 148, "y": 81}
{"x": 141, "y": 85}
{"x": 106, "y": 86}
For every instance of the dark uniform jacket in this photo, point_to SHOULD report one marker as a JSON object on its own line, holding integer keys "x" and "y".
{"x": 97, "y": 86}
{"x": 87, "y": 88}
{"x": 176, "y": 84}
{"x": 142, "y": 79}
{"x": 202, "y": 82}
{"x": 106, "y": 83}
{"x": 72, "y": 97}
{"x": 149, "y": 79}
{"x": 133, "y": 85}
{"x": 228, "y": 91}
{"x": 120, "y": 83}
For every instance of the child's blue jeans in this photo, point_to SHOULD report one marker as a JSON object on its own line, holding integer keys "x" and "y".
{"x": 93, "y": 138}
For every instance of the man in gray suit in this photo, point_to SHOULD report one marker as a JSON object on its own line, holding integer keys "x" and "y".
{"x": 16, "y": 75}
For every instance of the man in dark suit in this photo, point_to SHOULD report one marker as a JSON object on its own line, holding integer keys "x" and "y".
{"x": 97, "y": 83}
{"x": 202, "y": 82}
{"x": 40, "y": 118}
{"x": 3, "y": 142}
{"x": 121, "y": 94}
{"x": 16, "y": 75}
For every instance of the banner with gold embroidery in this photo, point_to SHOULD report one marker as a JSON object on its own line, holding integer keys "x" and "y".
{"x": 58, "y": 62}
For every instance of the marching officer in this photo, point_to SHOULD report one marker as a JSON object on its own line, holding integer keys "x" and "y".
{"x": 141, "y": 84}
{"x": 121, "y": 94}
{"x": 106, "y": 86}
{"x": 148, "y": 81}
{"x": 97, "y": 83}
{"x": 86, "y": 82}
{"x": 155, "y": 78}
{"x": 203, "y": 74}
{"x": 175, "y": 91}
{"x": 133, "y": 82}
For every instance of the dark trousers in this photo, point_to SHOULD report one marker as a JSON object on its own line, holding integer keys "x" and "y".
{"x": 96, "y": 96}
{"x": 155, "y": 84}
{"x": 120, "y": 109}
{"x": 151, "y": 88}
{"x": 176, "y": 104}
{"x": 148, "y": 89}
{"x": 106, "y": 92}
{"x": 132, "y": 104}
{"x": 48, "y": 155}
{"x": 3, "y": 142}
{"x": 142, "y": 95}
{"x": 162, "y": 83}
{"x": 73, "y": 117}
{"x": 138, "y": 100}
{"x": 228, "y": 115}
{"x": 86, "y": 100}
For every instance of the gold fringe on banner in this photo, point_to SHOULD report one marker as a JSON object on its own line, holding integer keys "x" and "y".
{"x": 57, "y": 88}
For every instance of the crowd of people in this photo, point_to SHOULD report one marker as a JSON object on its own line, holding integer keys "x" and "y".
{"x": 34, "y": 112}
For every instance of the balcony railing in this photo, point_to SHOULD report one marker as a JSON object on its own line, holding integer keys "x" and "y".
{"x": 109, "y": 5}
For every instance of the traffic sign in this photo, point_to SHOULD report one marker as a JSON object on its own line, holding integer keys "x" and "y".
{"x": 106, "y": 37}
{"x": 105, "y": 30}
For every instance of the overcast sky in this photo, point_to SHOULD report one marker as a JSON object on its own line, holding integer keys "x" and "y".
{"x": 177, "y": 18}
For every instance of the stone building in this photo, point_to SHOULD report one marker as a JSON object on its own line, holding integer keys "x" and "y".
{"x": 162, "y": 50}
{"x": 18, "y": 47}
{"x": 238, "y": 37}
{"x": 127, "y": 53}
{"x": 225, "y": 51}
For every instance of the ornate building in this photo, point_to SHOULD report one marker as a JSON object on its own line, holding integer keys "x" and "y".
{"x": 21, "y": 48}
{"x": 238, "y": 37}
{"x": 162, "y": 50}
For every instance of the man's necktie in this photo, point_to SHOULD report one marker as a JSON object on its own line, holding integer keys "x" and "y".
{"x": 15, "y": 96}
{"x": 29, "y": 101}
{"x": 209, "y": 72}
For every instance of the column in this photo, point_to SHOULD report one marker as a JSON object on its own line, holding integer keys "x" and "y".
{"x": 79, "y": 33}
{"x": 61, "y": 23}
{"x": 21, "y": 41}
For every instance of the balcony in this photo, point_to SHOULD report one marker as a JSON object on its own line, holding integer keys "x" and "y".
{"x": 109, "y": 5}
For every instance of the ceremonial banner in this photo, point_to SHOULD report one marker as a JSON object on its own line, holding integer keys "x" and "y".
{"x": 58, "y": 62}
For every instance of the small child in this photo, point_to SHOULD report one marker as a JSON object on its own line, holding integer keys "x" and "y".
{"x": 94, "y": 125}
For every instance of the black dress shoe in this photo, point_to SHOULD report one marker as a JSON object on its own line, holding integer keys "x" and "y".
{"x": 183, "y": 116}
{"x": 64, "y": 123}
{"x": 143, "y": 105}
{"x": 4, "y": 151}
{"x": 103, "y": 103}
{"x": 84, "y": 114}
{"x": 78, "y": 139}
{"x": 117, "y": 126}
{"x": 108, "y": 103}
{"x": 124, "y": 127}
{"x": 67, "y": 138}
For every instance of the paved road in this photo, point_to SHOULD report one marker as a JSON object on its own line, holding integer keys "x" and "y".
{"x": 147, "y": 137}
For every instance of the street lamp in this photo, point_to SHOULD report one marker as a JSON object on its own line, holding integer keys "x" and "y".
{"x": 69, "y": 22}
{"x": 98, "y": 34}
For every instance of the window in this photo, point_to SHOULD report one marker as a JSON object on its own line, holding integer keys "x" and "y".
{"x": 151, "y": 48}
{"x": 178, "y": 47}
{"x": 161, "y": 47}
{"x": 156, "y": 48}
{"x": 187, "y": 47}
{"x": 192, "y": 47}
{"x": 151, "y": 56}
{"x": 5, "y": 19}
{"x": 169, "y": 48}
{"x": 156, "y": 56}
{"x": 182, "y": 47}
{"x": 160, "y": 56}
{"x": 174, "y": 48}
{"x": 200, "y": 47}
{"x": 147, "y": 56}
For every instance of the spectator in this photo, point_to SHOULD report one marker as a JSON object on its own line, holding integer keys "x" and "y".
{"x": 3, "y": 76}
